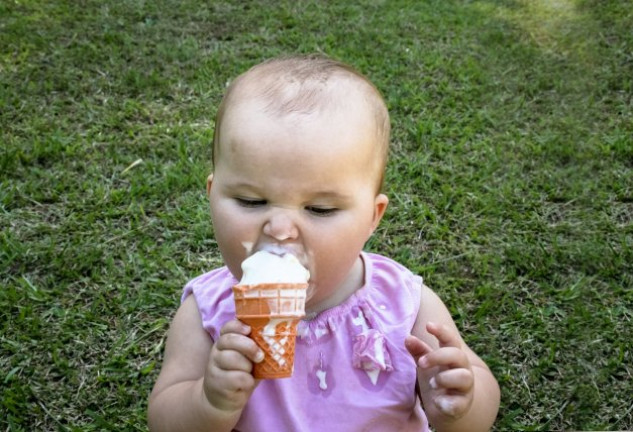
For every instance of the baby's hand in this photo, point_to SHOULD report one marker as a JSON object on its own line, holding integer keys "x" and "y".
{"x": 228, "y": 382}
{"x": 447, "y": 370}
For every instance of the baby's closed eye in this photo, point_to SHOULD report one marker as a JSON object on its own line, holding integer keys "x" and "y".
{"x": 322, "y": 210}
{"x": 250, "y": 202}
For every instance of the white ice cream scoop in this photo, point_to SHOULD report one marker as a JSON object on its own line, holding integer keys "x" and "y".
{"x": 266, "y": 267}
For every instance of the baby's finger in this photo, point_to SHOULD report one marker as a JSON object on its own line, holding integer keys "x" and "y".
{"x": 453, "y": 380}
{"x": 230, "y": 360}
{"x": 416, "y": 347}
{"x": 447, "y": 357}
{"x": 225, "y": 385}
{"x": 447, "y": 336}
{"x": 241, "y": 344}
{"x": 235, "y": 326}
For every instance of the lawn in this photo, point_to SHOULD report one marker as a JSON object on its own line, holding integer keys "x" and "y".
{"x": 510, "y": 179}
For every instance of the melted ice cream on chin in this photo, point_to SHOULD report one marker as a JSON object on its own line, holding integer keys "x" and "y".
{"x": 270, "y": 266}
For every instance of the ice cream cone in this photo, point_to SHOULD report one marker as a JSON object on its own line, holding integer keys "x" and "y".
{"x": 272, "y": 310}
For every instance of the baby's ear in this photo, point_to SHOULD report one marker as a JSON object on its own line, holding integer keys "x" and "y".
{"x": 209, "y": 183}
{"x": 380, "y": 205}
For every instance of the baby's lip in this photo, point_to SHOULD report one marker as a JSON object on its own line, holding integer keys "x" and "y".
{"x": 276, "y": 249}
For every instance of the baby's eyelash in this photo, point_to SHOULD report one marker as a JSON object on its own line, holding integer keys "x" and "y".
{"x": 321, "y": 211}
{"x": 250, "y": 203}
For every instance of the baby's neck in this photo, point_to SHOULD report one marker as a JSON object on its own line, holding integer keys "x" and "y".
{"x": 354, "y": 281}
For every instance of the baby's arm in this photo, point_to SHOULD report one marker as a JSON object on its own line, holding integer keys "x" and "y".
{"x": 202, "y": 385}
{"x": 459, "y": 392}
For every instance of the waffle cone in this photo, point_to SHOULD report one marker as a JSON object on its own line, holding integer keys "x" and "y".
{"x": 273, "y": 312}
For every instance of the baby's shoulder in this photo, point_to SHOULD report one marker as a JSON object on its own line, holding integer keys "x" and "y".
{"x": 213, "y": 283}
{"x": 213, "y": 296}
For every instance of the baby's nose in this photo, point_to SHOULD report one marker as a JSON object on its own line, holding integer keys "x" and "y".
{"x": 281, "y": 226}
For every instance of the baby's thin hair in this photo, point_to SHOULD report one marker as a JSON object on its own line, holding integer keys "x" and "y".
{"x": 297, "y": 85}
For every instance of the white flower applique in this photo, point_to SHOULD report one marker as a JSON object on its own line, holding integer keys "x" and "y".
{"x": 313, "y": 333}
{"x": 369, "y": 351}
{"x": 321, "y": 374}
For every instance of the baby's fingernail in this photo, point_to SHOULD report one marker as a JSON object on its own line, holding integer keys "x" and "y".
{"x": 446, "y": 405}
{"x": 259, "y": 356}
{"x": 433, "y": 383}
{"x": 423, "y": 362}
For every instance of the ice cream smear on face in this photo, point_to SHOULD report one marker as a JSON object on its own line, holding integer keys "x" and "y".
{"x": 268, "y": 267}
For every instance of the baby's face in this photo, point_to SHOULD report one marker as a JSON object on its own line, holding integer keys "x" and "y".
{"x": 303, "y": 183}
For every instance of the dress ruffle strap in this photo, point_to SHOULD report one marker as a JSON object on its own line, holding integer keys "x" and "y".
{"x": 370, "y": 352}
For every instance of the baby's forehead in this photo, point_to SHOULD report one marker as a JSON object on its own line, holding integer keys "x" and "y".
{"x": 311, "y": 90}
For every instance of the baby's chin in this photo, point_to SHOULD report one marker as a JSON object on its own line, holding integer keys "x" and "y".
{"x": 315, "y": 303}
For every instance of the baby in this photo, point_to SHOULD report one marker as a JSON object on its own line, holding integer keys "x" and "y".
{"x": 299, "y": 154}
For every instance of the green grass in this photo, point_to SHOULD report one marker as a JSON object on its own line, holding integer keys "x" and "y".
{"x": 511, "y": 186}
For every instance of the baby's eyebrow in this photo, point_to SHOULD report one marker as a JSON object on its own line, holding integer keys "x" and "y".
{"x": 331, "y": 195}
{"x": 242, "y": 186}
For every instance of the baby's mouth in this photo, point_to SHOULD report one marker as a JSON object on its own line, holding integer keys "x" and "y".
{"x": 278, "y": 249}
{"x": 281, "y": 250}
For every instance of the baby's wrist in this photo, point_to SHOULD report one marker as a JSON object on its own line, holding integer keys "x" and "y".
{"x": 213, "y": 401}
{"x": 222, "y": 415}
